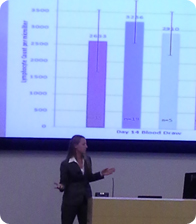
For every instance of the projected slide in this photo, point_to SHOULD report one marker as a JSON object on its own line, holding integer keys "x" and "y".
{"x": 122, "y": 69}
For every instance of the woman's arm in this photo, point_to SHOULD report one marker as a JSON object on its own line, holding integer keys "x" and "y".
{"x": 92, "y": 176}
{"x": 63, "y": 176}
{"x": 99, "y": 175}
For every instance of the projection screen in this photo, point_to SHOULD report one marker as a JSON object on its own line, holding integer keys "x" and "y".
{"x": 106, "y": 69}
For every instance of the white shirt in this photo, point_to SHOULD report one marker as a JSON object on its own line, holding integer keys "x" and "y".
{"x": 73, "y": 159}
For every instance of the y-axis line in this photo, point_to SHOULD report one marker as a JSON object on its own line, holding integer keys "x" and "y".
{"x": 56, "y": 59}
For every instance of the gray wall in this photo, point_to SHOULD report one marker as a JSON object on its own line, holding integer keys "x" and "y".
{"x": 27, "y": 194}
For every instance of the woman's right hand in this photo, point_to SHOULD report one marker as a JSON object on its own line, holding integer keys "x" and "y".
{"x": 59, "y": 186}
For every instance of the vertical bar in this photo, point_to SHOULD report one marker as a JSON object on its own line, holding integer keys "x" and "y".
{"x": 96, "y": 87}
{"x": 169, "y": 82}
{"x": 133, "y": 68}
{"x": 3, "y": 65}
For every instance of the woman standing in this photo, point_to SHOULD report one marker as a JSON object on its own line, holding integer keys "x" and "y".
{"x": 75, "y": 175}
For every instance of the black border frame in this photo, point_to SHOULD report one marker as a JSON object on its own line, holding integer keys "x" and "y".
{"x": 99, "y": 145}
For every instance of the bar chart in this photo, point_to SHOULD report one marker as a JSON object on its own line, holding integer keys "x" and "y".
{"x": 105, "y": 70}
{"x": 124, "y": 107}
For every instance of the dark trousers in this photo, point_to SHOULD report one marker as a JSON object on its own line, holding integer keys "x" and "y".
{"x": 89, "y": 211}
{"x": 69, "y": 212}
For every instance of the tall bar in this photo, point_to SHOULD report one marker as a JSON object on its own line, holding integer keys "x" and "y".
{"x": 169, "y": 82}
{"x": 133, "y": 69}
{"x": 3, "y": 65}
{"x": 96, "y": 87}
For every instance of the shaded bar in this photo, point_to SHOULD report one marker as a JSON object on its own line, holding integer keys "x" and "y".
{"x": 3, "y": 65}
{"x": 133, "y": 69}
{"x": 169, "y": 82}
{"x": 96, "y": 87}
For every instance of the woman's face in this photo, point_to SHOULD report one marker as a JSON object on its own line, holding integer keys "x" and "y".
{"x": 81, "y": 146}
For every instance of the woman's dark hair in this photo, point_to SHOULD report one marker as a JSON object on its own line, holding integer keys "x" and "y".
{"x": 73, "y": 142}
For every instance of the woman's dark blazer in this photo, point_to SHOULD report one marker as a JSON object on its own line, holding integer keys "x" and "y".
{"x": 76, "y": 184}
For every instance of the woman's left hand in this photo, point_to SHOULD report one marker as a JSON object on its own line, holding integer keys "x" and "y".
{"x": 107, "y": 171}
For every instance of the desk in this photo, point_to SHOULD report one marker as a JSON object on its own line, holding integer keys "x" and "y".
{"x": 143, "y": 211}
